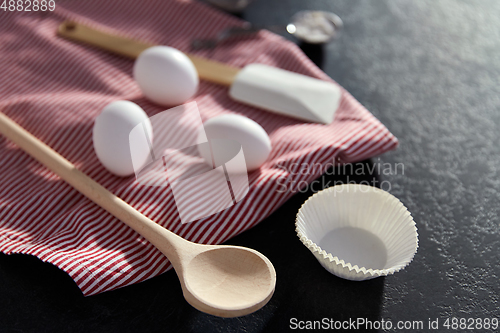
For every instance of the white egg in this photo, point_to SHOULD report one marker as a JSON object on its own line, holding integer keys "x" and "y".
{"x": 111, "y": 137}
{"x": 165, "y": 75}
{"x": 230, "y": 133}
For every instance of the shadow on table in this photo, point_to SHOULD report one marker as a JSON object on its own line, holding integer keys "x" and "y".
{"x": 305, "y": 291}
{"x": 315, "y": 52}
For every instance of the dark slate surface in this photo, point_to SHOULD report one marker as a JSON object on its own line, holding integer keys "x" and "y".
{"x": 429, "y": 70}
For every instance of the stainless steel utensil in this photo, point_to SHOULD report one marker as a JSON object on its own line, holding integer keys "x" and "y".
{"x": 314, "y": 27}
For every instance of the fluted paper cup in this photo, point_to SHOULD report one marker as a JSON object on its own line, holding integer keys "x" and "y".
{"x": 357, "y": 232}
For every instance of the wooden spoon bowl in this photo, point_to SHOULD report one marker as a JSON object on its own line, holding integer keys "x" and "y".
{"x": 228, "y": 281}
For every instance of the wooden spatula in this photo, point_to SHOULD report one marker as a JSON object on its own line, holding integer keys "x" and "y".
{"x": 270, "y": 88}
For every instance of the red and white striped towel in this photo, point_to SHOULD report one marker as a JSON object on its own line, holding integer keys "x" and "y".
{"x": 55, "y": 88}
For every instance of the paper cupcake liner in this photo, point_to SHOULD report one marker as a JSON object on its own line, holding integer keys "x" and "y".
{"x": 357, "y": 232}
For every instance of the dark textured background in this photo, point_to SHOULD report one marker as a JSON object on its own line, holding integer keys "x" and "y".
{"x": 429, "y": 70}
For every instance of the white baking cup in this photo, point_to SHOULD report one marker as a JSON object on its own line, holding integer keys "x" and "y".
{"x": 357, "y": 232}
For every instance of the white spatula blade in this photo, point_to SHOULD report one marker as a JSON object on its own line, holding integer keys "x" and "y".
{"x": 287, "y": 93}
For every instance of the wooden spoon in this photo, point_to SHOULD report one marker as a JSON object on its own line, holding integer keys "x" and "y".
{"x": 225, "y": 281}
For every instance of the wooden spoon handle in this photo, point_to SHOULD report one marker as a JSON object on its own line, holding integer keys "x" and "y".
{"x": 167, "y": 242}
{"x": 208, "y": 70}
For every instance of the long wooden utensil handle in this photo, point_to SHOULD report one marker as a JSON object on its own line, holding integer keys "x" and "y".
{"x": 208, "y": 70}
{"x": 150, "y": 230}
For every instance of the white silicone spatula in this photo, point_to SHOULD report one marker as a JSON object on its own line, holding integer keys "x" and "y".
{"x": 273, "y": 89}
{"x": 222, "y": 280}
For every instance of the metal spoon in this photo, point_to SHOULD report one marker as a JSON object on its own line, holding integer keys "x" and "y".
{"x": 314, "y": 27}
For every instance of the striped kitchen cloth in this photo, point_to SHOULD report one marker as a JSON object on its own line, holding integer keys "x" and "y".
{"x": 55, "y": 88}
